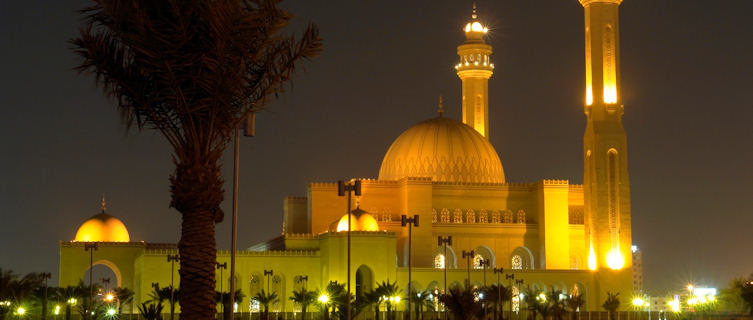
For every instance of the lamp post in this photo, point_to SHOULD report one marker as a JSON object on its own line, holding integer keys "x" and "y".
{"x": 45, "y": 276}
{"x": 498, "y": 272}
{"x": 445, "y": 242}
{"x": 172, "y": 259}
{"x": 304, "y": 279}
{"x": 410, "y": 222}
{"x": 268, "y": 274}
{"x": 342, "y": 187}
{"x": 91, "y": 247}
{"x": 221, "y": 266}
{"x": 485, "y": 264}
{"x": 468, "y": 255}
{"x": 510, "y": 277}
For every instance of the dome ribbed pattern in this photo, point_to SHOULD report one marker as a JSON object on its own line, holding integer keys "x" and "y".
{"x": 445, "y": 150}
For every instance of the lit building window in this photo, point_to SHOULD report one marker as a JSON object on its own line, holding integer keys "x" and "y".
{"x": 508, "y": 216}
{"x": 470, "y": 216}
{"x": 477, "y": 261}
{"x": 433, "y": 215}
{"x": 439, "y": 261}
{"x": 515, "y": 299}
{"x": 482, "y": 216}
{"x": 457, "y": 216}
{"x": 517, "y": 262}
{"x": 496, "y": 216}
{"x": 521, "y": 217}
{"x": 445, "y": 216}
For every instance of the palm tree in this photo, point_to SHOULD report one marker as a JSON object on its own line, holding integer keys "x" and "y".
{"x": 556, "y": 303}
{"x": 124, "y": 296}
{"x": 419, "y": 300}
{"x": 304, "y": 298}
{"x": 574, "y": 303}
{"x": 462, "y": 303}
{"x": 224, "y": 298}
{"x": 611, "y": 303}
{"x": 496, "y": 295}
{"x": 265, "y": 299}
{"x": 374, "y": 298}
{"x": 16, "y": 290}
{"x": 71, "y": 296}
{"x": 389, "y": 291}
{"x": 164, "y": 294}
{"x": 151, "y": 311}
{"x": 194, "y": 70}
{"x": 532, "y": 298}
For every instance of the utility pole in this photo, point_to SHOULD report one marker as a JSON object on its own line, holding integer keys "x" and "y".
{"x": 410, "y": 222}
{"x": 468, "y": 255}
{"x": 342, "y": 187}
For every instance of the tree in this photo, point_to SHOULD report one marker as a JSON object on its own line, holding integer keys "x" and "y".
{"x": 574, "y": 302}
{"x": 16, "y": 290}
{"x": 124, "y": 296}
{"x": 224, "y": 298}
{"x": 556, "y": 303}
{"x": 496, "y": 295}
{"x": 462, "y": 303}
{"x": 533, "y": 299}
{"x": 419, "y": 300}
{"x": 390, "y": 293}
{"x": 745, "y": 287}
{"x": 304, "y": 298}
{"x": 612, "y": 303}
{"x": 265, "y": 299}
{"x": 164, "y": 294}
{"x": 151, "y": 311}
{"x": 194, "y": 70}
{"x": 72, "y": 296}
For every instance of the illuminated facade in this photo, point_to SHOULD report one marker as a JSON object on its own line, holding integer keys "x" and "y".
{"x": 550, "y": 233}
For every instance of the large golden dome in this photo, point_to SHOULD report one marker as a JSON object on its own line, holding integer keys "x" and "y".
{"x": 445, "y": 150}
{"x": 102, "y": 227}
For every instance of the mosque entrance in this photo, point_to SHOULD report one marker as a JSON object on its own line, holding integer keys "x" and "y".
{"x": 364, "y": 280}
{"x": 105, "y": 277}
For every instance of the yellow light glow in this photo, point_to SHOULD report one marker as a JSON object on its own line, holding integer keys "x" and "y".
{"x": 610, "y": 93}
{"x": 21, "y": 310}
{"x": 111, "y": 312}
{"x": 592, "y": 258}
{"x": 109, "y": 297}
{"x": 57, "y": 310}
{"x": 397, "y": 299}
{"x": 323, "y": 298}
{"x": 365, "y": 223}
{"x": 589, "y": 94}
{"x": 638, "y": 302}
{"x": 692, "y": 301}
{"x": 615, "y": 261}
{"x": 674, "y": 305}
{"x": 542, "y": 296}
{"x": 711, "y": 298}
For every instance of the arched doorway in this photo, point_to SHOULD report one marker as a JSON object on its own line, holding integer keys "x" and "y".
{"x": 364, "y": 280}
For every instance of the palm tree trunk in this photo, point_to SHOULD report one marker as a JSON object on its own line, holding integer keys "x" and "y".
{"x": 197, "y": 193}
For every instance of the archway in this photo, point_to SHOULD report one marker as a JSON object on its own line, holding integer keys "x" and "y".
{"x": 485, "y": 253}
{"x": 364, "y": 280}
{"x": 521, "y": 259}
{"x": 105, "y": 274}
{"x": 439, "y": 260}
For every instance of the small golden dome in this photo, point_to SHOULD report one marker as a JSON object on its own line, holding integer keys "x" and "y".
{"x": 102, "y": 227}
{"x": 359, "y": 221}
{"x": 445, "y": 150}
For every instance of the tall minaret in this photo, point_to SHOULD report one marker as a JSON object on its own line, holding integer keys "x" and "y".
{"x": 475, "y": 69}
{"x": 605, "y": 178}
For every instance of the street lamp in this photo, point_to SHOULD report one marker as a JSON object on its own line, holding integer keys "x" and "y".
{"x": 304, "y": 279}
{"x": 468, "y": 255}
{"x": 268, "y": 274}
{"x": 498, "y": 272}
{"x": 485, "y": 264}
{"x": 410, "y": 222}
{"x": 172, "y": 259}
{"x": 221, "y": 266}
{"x": 249, "y": 130}
{"x": 342, "y": 187}
{"x": 447, "y": 241}
{"x": 519, "y": 284}
{"x": 510, "y": 277}
{"x": 91, "y": 247}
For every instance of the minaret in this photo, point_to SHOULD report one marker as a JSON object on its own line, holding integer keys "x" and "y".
{"x": 475, "y": 69}
{"x": 605, "y": 178}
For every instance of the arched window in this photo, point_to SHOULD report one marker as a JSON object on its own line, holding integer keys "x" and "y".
{"x": 482, "y": 216}
{"x": 445, "y": 216}
{"x": 517, "y": 262}
{"x": 439, "y": 261}
{"x": 457, "y": 216}
{"x": 477, "y": 259}
{"x": 470, "y": 216}
{"x": 508, "y": 216}
{"x": 496, "y": 216}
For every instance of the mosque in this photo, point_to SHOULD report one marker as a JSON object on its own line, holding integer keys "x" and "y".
{"x": 549, "y": 234}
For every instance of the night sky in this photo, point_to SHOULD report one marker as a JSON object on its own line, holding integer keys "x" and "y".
{"x": 687, "y": 89}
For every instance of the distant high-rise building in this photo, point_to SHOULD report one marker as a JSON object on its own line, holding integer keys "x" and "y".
{"x": 637, "y": 269}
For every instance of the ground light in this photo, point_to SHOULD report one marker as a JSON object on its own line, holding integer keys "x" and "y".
{"x": 323, "y": 298}
{"x": 20, "y": 311}
{"x": 57, "y": 310}
{"x": 111, "y": 312}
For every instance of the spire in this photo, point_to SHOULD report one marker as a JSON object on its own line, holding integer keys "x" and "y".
{"x": 441, "y": 107}
{"x": 474, "y": 15}
{"x": 104, "y": 205}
